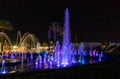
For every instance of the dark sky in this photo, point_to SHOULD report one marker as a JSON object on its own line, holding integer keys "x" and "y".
{"x": 90, "y": 20}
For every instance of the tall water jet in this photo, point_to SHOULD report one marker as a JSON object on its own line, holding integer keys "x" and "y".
{"x": 66, "y": 39}
{"x": 57, "y": 53}
{"x": 66, "y": 36}
{"x": 3, "y": 69}
{"x": 81, "y": 53}
{"x": 22, "y": 47}
{"x": 31, "y": 54}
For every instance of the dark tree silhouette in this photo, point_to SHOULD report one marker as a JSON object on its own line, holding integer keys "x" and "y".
{"x": 57, "y": 29}
{"x": 5, "y": 25}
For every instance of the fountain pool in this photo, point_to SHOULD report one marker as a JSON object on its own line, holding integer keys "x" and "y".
{"x": 65, "y": 55}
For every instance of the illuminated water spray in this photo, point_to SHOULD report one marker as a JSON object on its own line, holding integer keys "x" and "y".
{"x": 57, "y": 53}
{"x": 66, "y": 39}
{"x": 3, "y": 69}
{"x": 22, "y": 57}
{"x": 31, "y": 53}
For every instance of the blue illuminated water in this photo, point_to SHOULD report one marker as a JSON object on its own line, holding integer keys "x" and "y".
{"x": 66, "y": 55}
{"x": 46, "y": 61}
{"x": 66, "y": 40}
{"x": 3, "y": 68}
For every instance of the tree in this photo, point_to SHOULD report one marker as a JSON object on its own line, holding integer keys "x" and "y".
{"x": 57, "y": 29}
{"x": 5, "y": 25}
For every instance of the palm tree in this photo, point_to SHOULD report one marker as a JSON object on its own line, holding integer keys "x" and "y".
{"x": 57, "y": 29}
{"x": 5, "y": 25}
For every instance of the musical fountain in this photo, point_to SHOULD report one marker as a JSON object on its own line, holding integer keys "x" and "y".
{"x": 66, "y": 55}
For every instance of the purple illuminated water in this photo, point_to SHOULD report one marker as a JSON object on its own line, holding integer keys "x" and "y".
{"x": 63, "y": 56}
{"x": 66, "y": 40}
{"x": 3, "y": 69}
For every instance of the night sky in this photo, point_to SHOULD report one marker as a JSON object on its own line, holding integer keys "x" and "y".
{"x": 90, "y": 20}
